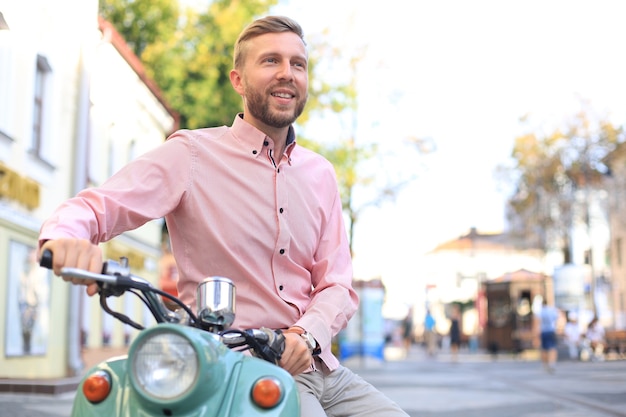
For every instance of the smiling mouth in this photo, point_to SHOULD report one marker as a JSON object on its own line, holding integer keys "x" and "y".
{"x": 283, "y": 95}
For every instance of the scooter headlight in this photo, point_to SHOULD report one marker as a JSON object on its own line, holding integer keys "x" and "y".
{"x": 165, "y": 365}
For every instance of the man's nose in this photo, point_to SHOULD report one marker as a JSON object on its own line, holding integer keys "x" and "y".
{"x": 285, "y": 71}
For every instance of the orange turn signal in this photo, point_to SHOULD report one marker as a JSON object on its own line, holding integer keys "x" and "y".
{"x": 267, "y": 392}
{"x": 97, "y": 386}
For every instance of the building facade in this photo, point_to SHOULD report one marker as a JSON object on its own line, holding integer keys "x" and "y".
{"x": 75, "y": 106}
{"x": 616, "y": 184}
{"x": 455, "y": 272}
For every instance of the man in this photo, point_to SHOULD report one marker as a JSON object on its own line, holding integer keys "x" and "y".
{"x": 430, "y": 334}
{"x": 548, "y": 317}
{"x": 572, "y": 336}
{"x": 245, "y": 202}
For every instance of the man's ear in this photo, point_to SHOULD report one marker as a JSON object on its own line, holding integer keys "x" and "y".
{"x": 235, "y": 80}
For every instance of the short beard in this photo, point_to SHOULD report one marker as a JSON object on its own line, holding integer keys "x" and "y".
{"x": 258, "y": 107}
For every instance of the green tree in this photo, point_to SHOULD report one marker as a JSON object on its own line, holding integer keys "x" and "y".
{"x": 557, "y": 175}
{"x": 189, "y": 59}
{"x": 347, "y": 154}
{"x": 142, "y": 22}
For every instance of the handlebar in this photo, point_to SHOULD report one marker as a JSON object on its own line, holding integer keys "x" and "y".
{"x": 46, "y": 259}
{"x": 116, "y": 279}
{"x": 116, "y": 273}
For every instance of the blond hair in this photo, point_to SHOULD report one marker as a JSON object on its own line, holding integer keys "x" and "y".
{"x": 269, "y": 24}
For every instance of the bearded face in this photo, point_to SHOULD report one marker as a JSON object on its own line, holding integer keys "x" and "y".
{"x": 277, "y": 106}
{"x": 273, "y": 80}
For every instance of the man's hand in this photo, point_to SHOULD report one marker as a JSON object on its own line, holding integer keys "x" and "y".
{"x": 75, "y": 253}
{"x": 296, "y": 357}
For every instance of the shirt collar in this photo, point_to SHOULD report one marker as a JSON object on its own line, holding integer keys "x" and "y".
{"x": 256, "y": 140}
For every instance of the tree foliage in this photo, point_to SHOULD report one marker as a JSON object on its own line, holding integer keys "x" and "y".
{"x": 557, "y": 174}
{"x": 142, "y": 22}
{"x": 348, "y": 155}
{"x": 189, "y": 58}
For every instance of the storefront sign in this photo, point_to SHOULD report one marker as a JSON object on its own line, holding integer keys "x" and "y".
{"x": 21, "y": 189}
{"x": 136, "y": 260}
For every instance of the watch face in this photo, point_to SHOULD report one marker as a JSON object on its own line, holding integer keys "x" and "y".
{"x": 310, "y": 340}
{"x": 311, "y": 343}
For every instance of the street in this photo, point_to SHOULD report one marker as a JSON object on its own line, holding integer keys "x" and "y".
{"x": 476, "y": 385}
{"x": 481, "y": 386}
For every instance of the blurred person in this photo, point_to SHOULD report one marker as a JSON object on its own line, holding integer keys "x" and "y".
{"x": 548, "y": 316}
{"x": 246, "y": 202}
{"x": 595, "y": 337}
{"x": 455, "y": 333}
{"x": 407, "y": 330}
{"x": 572, "y": 336}
{"x": 430, "y": 334}
{"x": 168, "y": 273}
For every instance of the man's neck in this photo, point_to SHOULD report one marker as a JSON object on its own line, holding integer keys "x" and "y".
{"x": 278, "y": 135}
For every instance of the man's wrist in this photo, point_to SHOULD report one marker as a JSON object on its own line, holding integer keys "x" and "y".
{"x": 310, "y": 341}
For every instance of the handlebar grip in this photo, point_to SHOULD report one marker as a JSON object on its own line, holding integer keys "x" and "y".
{"x": 46, "y": 259}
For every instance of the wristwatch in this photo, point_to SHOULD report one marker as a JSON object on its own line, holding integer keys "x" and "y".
{"x": 310, "y": 341}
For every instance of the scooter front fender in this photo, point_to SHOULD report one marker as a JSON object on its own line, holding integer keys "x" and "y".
{"x": 230, "y": 394}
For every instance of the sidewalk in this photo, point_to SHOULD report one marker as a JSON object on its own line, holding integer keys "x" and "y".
{"x": 56, "y": 386}
{"x": 479, "y": 385}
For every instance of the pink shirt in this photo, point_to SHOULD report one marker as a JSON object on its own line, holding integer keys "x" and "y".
{"x": 275, "y": 229}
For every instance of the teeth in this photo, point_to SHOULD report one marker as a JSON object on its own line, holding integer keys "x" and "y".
{"x": 282, "y": 95}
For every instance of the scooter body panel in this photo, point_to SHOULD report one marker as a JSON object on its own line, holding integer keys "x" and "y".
{"x": 222, "y": 385}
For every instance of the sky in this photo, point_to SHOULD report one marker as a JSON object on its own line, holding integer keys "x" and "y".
{"x": 462, "y": 73}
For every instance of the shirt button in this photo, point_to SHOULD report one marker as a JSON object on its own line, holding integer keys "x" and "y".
{"x": 280, "y": 287}
{"x": 266, "y": 143}
{"x": 282, "y": 251}
{"x": 254, "y": 152}
{"x": 281, "y": 210}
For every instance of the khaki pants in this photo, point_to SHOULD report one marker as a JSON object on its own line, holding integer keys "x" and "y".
{"x": 342, "y": 393}
{"x": 431, "y": 342}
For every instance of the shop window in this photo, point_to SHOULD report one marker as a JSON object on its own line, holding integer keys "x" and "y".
{"x": 524, "y": 310}
{"x": 42, "y": 76}
{"x": 6, "y": 80}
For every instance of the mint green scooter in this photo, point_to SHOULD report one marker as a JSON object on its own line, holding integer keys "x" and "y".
{"x": 187, "y": 365}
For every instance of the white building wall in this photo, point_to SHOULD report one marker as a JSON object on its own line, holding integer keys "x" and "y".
{"x": 89, "y": 89}
{"x": 127, "y": 120}
{"x": 37, "y": 28}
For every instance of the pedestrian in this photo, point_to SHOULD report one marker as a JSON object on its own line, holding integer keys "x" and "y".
{"x": 168, "y": 272}
{"x": 572, "y": 336}
{"x": 455, "y": 334}
{"x": 407, "y": 331}
{"x": 548, "y": 317}
{"x": 249, "y": 203}
{"x": 595, "y": 336}
{"x": 430, "y": 334}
